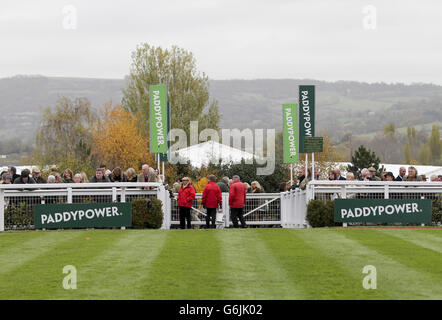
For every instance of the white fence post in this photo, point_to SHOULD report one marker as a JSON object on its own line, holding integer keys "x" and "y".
{"x": 114, "y": 194}
{"x": 122, "y": 200}
{"x": 69, "y": 195}
{"x": 303, "y": 202}
{"x": 295, "y": 206}
{"x": 386, "y": 191}
{"x": 226, "y": 209}
{"x": 344, "y": 196}
{"x": 2, "y": 210}
{"x": 310, "y": 192}
{"x": 162, "y": 195}
{"x": 282, "y": 206}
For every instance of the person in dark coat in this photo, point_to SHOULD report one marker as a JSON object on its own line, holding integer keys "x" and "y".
{"x": 224, "y": 184}
{"x": 68, "y": 176}
{"x": 37, "y": 176}
{"x": 212, "y": 199}
{"x": 237, "y": 199}
{"x": 337, "y": 173}
{"x": 389, "y": 176}
{"x": 185, "y": 198}
{"x": 13, "y": 172}
{"x": 118, "y": 176}
{"x": 6, "y": 179}
{"x": 402, "y": 172}
{"x": 24, "y": 178}
{"x": 99, "y": 177}
{"x": 131, "y": 175}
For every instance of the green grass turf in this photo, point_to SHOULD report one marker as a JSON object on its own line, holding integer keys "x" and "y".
{"x": 222, "y": 264}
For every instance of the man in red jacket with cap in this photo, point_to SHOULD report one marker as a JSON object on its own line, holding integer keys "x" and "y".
{"x": 185, "y": 198}
{"x": 237, "y": 199}
{"x": 211, "y": 200}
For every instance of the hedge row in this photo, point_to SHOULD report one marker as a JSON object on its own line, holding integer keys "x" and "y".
{"x": 147, "y": 213}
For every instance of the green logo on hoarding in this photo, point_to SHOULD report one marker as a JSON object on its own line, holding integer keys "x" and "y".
{"x": 82, "y": 215}
{"x": 383, "y": 210}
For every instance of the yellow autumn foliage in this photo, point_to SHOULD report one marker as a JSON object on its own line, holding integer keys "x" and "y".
{"x": 200, "y": 184}
{"x": 116, "y": 141}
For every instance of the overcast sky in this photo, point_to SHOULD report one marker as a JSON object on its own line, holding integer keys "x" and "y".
{"x": 391, "y": 41}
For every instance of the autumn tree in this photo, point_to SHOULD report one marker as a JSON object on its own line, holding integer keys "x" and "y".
{"x": 64, "y": 135}
{"x": 407, "y": 153}
{"x": 435, "y": 145}
{"x": 411, "y": 146}
{"x": 326, "y": 160}
{"x": 117, "y": 142}
{"x": 425, "y": 156}
{"x": 187, "y": 88}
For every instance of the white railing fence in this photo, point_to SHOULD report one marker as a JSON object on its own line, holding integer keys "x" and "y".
{"x": 17, "y": 200}
{"x": 294, "y": 209}
{"x": 330, "y": 190}
{"x": 286, "y": 209}
{"x": 17, "y": 203}
{"x": 259, "y": 209}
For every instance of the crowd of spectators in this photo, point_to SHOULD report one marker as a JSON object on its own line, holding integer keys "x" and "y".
{"x": 366, "y": 174}
{"x": 102, "y": 174}
{"x": 149, "y": 174}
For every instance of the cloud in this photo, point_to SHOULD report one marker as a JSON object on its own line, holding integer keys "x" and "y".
{"x": 322, "y": 39}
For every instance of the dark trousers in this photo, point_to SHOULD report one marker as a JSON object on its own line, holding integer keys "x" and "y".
{"x": 237, "y": 213}
{"x": 185, "y": 215}
{"x": 211, "y": 216}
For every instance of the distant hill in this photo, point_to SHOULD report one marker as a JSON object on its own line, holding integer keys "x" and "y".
{"x": 23, "y": 97}
{"x": 341, "y": 107}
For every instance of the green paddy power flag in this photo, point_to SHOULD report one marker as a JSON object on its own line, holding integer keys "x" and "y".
{"x": 158, "y": 118}
{"x": 306, "y": 114}
{"x": 290, "y": 132}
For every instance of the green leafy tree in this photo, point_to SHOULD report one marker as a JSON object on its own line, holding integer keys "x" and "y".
{"x": 389, "y": 129}
{"x": 407, "y": 152}
{"x": 385, "y": 144}
{"x": 435, "y": 145}
{"x": 248, "y": 173}
{"x": 363, "y": 158}
{"x": 187, "y": 88}
{"x": 64, "y": 135}
{"x": 425, "y": 156}
{"x": 412, "y": 152}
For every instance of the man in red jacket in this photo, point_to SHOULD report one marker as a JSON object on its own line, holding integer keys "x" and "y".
{"x": 211, "y": 200}
{"x": 237, "y": 199}
{"x": 185, "y": 198}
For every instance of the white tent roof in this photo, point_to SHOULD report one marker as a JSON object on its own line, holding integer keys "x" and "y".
{"x": 211, "y": 151}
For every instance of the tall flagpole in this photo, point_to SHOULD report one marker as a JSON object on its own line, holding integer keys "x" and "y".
{"x": 306, "y": 164}
{"x": 158, "y": 162}
{"x": 291, "y": 174}
{"x": 313, "y": 166}
{"x": 163, "y": 173}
